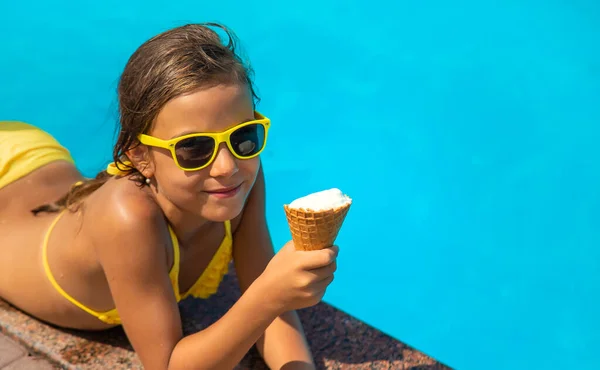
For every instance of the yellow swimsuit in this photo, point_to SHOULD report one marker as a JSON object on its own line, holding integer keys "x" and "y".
{"x": 206, "y": 285}
{"x": 24, "y": 148}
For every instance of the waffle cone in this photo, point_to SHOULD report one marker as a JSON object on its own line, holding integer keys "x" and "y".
{"x": 313, "y": 230}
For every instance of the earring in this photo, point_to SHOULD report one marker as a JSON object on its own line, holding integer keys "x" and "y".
{"x": 148, "y": 181}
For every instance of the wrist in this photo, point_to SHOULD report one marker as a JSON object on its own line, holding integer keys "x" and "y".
{"x": 262, "y": 295}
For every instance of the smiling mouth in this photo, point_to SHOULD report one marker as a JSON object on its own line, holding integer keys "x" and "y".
{"x": 224, "y": 190}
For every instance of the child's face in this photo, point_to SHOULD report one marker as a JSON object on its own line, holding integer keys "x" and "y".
{"x": 205, "y": 192}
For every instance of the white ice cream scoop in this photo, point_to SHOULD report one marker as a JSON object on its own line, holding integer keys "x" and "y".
{"x": 322, "y": 200}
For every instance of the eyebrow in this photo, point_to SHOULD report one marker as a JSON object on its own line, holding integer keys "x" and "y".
{"x": 183, "y": 134}
{"x": 187, "y": 132}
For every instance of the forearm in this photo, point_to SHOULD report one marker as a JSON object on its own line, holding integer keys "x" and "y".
{"x": 284, "y": 345}
{"x": 224, "y": 344}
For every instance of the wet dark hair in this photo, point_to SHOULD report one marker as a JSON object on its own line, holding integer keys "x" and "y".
{"x": 174, "y": 63}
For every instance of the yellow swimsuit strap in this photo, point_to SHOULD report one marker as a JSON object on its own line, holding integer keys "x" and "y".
{"x": 111, "y": 316}
{"x": 51, "y": 277}
{"x": 174, "y": 273}
{"x": 114, "y": 170}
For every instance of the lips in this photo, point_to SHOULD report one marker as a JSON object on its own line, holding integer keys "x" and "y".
{"x": 223, "y": 190}
{"x": 224, "y": 193}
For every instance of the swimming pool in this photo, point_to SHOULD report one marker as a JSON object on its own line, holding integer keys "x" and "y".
{"x": 466, "y": 134}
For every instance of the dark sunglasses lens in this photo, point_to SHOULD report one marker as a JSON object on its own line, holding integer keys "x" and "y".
{"x": 248, "y": 140}
{"x": 194, "y": 152}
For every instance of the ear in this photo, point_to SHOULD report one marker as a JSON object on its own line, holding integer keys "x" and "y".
{"x": 141, "y": 159}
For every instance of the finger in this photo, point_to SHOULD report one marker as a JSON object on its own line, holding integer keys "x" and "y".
{"x": 319, "y": 258}
{"x": 314, "y": 276}
{"x": 321, "y": 286}
{"x": 323, "y": 272}
{"x": 289, "y": 246}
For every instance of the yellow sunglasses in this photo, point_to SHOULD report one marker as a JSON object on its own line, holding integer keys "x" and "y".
{"x": 196, "y": 151}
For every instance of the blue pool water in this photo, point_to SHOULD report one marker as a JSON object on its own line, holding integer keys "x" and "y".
{"x": 467, "y": 133}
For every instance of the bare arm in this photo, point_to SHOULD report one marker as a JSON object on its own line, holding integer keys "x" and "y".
{"x": 135, "y": 264}
{"x": 283, "y": 345}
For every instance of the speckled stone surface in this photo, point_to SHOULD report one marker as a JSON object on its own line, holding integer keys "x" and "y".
{"x": 337, "y": 340}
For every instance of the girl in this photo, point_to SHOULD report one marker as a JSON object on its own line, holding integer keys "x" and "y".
{"x": 184, "y": 196}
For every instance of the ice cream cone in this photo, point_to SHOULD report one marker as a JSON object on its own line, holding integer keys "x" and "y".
{"x": 313, "y": 230}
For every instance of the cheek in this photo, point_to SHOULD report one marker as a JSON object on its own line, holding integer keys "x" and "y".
{"x": 249, "y": 168}
{"x": 162, "y": 160}
{"x": 175, "y": 182}
{"x": 181, "y": 188}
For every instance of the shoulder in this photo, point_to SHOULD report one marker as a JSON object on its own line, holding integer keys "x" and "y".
{"x": 124, "y": 205}
{"x": 124, "y": 219}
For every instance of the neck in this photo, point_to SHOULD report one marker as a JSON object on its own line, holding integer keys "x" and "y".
{"x": 185, "y": 224}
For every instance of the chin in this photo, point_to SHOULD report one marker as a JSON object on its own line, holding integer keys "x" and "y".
{"x": 224, "y": 209}
{"x": 221, "y": 213}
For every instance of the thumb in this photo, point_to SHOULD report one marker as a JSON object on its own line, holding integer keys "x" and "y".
{"x": 289, "y": 247}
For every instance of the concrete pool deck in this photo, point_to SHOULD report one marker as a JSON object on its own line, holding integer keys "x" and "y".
{"x": 337, "y": 340}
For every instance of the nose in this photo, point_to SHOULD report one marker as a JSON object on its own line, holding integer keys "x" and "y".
{"x": 225, "y": 164}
